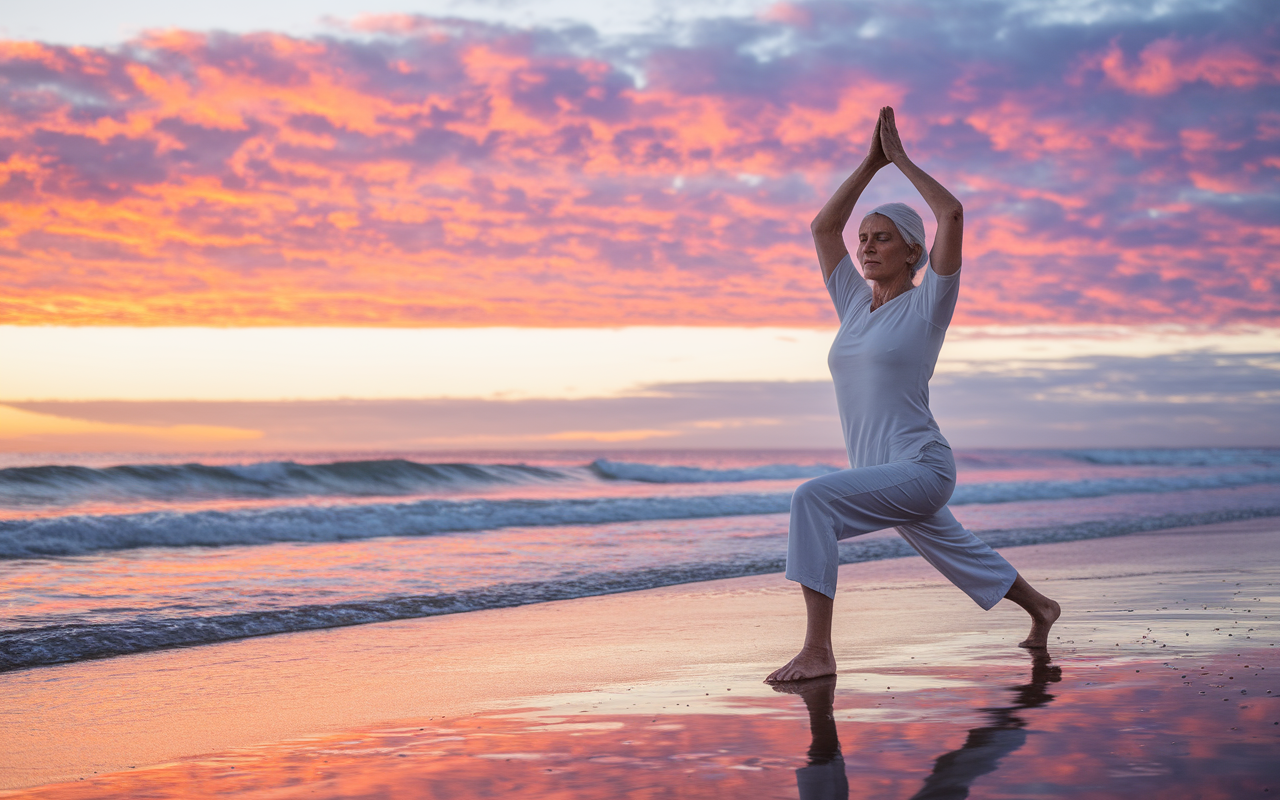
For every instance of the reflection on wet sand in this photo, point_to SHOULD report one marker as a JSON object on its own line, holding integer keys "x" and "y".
{"x": 824, "y": 778}
{"x": 1185, "y": 728}
{"x": 955, "y": 772}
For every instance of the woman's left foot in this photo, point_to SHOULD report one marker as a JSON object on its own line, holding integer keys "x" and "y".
{"x": 1042, "y": 620}
{"x": 810, "y": 663}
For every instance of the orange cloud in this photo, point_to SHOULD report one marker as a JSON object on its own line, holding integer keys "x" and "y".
{"x": 1162, "y": 68}
{"x": 446, "y": 173}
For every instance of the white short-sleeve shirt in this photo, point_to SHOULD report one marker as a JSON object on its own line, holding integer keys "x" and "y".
{"x": 882, "y": 361}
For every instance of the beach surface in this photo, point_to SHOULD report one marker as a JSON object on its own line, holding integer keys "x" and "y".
{"x": 1159, "y": 680}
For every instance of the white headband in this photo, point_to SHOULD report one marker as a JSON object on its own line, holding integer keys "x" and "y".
{"x": 909, "y": 225}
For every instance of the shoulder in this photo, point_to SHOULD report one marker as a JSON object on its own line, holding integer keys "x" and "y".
{"x": 845, "y": 280}
{"x": 935, "y": 297}
{"x": 934, "y": 277}
{"x": 842, "y": 269}
{"x": 934, "y": 287}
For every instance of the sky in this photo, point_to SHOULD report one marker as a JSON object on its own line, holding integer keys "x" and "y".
{"x": 510, "y": 224}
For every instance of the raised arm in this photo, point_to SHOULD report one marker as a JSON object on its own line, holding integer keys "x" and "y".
{"x": 828, "y": 226}
{"x": 945, "y": 255}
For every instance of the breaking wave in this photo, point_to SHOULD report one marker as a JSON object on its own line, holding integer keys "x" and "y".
{"x": 78, "y": 534}
{"x": 654, "y": 473}
{"x": 1181, "y": 457}
{"x": 56, "y": 644}
{"x": 60, "y": 486}
{"x": 66, "y": 485}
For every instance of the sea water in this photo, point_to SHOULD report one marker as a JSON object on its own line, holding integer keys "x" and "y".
{"x": 112, "y": 554}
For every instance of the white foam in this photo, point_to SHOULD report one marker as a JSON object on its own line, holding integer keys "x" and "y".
{"x": 25, "y": 487}
{"x": 83, "y": 533}
{"x": 655, "y": 473}
{"x": 73, "y": 642}
{"x": 1181, "y": 457}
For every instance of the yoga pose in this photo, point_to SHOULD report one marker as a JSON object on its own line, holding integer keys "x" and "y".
{"x": 902, "y": 472}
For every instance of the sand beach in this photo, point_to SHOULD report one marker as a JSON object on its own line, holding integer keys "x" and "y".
{"x": 1157, "y": 682}
{"x": 424, "y": 400}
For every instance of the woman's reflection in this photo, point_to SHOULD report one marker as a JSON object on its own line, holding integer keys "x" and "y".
{"x": 956, "y": 771}
{"x": 824, "y": 777}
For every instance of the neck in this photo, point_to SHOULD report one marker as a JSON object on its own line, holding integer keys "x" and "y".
{"x": 884, "y": 291}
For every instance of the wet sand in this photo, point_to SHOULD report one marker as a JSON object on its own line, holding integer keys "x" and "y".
{"x": 1159, "y": 682}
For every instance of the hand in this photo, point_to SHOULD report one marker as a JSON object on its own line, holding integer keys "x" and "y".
{"x": 890, "y": 142}
{"x": 876, "y": 157}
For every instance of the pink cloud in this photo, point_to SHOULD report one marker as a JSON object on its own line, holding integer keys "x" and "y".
{"x": 1164, "y": 66}
{"x": 444, "y": 173}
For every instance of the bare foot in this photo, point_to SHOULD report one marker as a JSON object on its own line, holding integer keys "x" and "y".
{"x": 821, "y": 690}
{"x": 808, "y": 664}
{"x": 1042, "y": 619}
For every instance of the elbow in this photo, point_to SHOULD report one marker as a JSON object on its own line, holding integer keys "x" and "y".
{"x": 821, "y": 225}
{"x": 954, "y": 213}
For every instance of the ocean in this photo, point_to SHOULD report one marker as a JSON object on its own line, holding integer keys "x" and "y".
{"x": 110, "y": 554}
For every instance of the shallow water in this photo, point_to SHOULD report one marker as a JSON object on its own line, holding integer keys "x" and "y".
{"x": 1193, "y": 727}
{"x": 101, "y": 559}
{"x": 1157, "y": 686}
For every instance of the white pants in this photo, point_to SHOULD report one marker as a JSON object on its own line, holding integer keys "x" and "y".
{"x": 908, "y": 495}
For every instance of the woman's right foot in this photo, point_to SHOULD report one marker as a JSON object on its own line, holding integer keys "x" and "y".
{"x": 807, "y": 664}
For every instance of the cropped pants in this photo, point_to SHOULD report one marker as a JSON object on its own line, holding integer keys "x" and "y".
{"x": 908, "y": 495}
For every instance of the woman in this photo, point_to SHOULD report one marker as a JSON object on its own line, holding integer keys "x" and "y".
{"x": 902, "y": 470}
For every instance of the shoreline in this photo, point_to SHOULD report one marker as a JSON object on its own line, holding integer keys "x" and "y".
{"x": 41, "y": 646}
{"x": 72, "y": 721}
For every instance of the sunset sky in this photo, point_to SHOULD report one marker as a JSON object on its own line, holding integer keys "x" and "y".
{"x": 557, "y": 224}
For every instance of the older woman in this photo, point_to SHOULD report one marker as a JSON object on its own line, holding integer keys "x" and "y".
{"x": 883, "y": 356}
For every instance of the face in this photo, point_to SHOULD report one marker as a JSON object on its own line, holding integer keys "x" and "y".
{"x": 882, "y": 252}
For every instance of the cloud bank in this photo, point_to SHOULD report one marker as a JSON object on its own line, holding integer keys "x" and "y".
{"x": 1179, "y": 400}
{"x": 406, "y": 171}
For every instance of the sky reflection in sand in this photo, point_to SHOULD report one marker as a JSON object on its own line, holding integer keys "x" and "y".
{"x": 1161, "y": 684}
{"x": 1018, "y": 725}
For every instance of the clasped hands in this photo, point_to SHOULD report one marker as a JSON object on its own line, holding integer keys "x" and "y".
{"x": 886, "y": 146}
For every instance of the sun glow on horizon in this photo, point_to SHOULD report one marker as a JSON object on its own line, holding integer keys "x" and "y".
{"x": 539, "y": 233}
{"x": 18, "y": 424}
{"x": 271, "y": 364}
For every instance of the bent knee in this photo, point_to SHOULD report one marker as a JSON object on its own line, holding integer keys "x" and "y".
{"x": 811, "y": 492}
